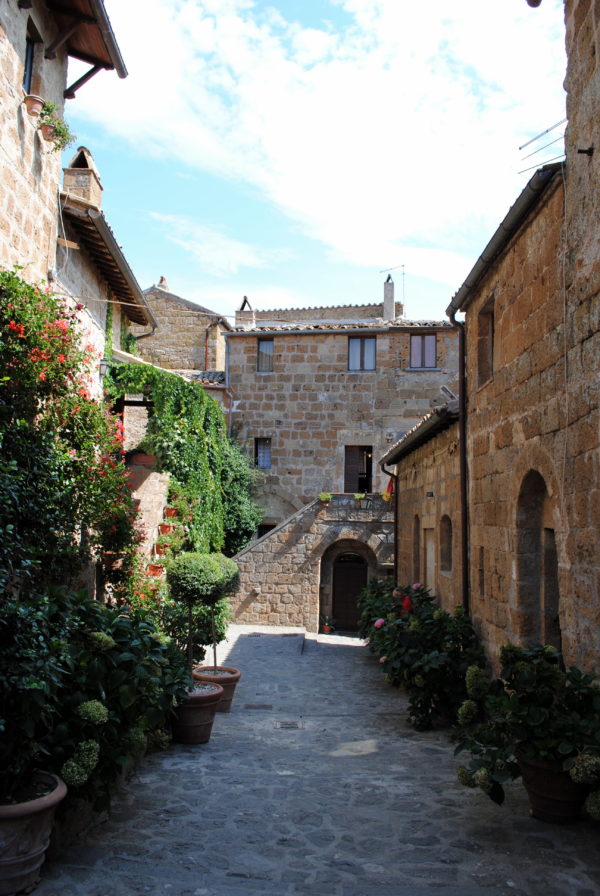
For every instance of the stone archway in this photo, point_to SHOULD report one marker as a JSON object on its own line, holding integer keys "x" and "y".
{"x": 346, "y": 567}
{"x": 537, "y": 617}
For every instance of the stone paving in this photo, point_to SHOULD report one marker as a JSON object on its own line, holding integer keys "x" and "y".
{"x": 314, "y": 783}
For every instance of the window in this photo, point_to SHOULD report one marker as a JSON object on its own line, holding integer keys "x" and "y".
{"x": 262, "y": 453}
{"x": 361, "y": 352}
{"x": 423, "y": 350}
{"x": 264, "y": 357}
{"x": 28, "y": 69}
{"x": 358, "y": 468}
{"x": 446, "y": 544}
{"x": 485, "y": 343}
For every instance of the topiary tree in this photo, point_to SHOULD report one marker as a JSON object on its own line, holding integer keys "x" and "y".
{"x": 196, "y": 578}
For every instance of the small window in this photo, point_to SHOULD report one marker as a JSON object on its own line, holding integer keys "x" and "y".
{"x": 446, "y": 544}
{"x": 485, "y": 343}
{"x": 262, "y": 453}
{"x": 28, "y": 67}
{"x": 264, "y": 358}
{"x": 423, "y": 350}
{"x": 361, "y": 352}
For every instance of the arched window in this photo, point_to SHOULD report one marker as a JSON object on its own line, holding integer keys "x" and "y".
{"x": 416, "y": 549}
{"x": 537, "y": 565}
{"x": 446, "y": 544}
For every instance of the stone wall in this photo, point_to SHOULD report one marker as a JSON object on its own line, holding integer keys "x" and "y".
{"x": 428, "y": 491}
{"x": 283, "y": 577}
{"x": 311, "y": 406}
{"x": 187, "y": 338}
{"x": 29, "y": 169}
{"x": 533, "y": 430}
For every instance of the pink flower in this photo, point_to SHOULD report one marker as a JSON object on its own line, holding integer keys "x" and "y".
{"x": 378, "y": 623}
{"x": 383, "y": 659}
{"x": 416, "y": 586}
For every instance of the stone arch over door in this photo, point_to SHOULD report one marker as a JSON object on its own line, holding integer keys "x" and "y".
{"x": 346, "y": 567}
{"x": 537, "y": 617}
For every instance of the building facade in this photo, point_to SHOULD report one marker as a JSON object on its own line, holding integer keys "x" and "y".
{"x": 320, "y": 392}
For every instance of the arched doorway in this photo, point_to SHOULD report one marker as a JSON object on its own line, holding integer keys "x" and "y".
{"x": 538, "y": 618}
{"x": 350, "y": 575}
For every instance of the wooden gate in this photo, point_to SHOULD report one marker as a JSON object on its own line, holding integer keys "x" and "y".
{"x": 350, "y": 573}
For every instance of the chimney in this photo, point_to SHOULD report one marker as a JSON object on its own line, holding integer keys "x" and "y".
{"x": 162, "y": 284}
{"x": 389, "y": 307}
{"x": 81, "y": 178}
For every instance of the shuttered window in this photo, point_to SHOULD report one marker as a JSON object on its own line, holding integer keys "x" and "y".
{"x": 423, "y": 350}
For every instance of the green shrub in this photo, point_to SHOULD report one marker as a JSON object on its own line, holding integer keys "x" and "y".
{"x": 68, "y": 706}
{"x": 422, "y": 648}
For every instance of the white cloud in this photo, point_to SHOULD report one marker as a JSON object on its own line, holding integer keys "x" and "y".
{"x": 217, "y": 253}
{"x": 399, "y": 131}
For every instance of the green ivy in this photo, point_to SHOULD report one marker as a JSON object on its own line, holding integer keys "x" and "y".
{"x": 187, "y": 434}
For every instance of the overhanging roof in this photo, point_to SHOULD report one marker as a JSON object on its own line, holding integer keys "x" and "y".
{"x": 90, "y": 35}
{"x": 436, "y": 421}
{"x": 98, "y": 239}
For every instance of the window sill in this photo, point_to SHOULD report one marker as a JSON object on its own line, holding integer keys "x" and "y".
{"x": 423, "y": 369}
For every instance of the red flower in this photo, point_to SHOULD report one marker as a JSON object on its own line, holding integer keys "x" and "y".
{"x": 406, "y": 605}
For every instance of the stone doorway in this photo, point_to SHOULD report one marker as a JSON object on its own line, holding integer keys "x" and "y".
{"x": 350, "y": 575}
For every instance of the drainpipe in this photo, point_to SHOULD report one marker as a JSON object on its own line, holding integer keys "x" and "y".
{"x": 145, "y": 335}
{"x": 462, "y": 449}
{"x": 396, "y": 518}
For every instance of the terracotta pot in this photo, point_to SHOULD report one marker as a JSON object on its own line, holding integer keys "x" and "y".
{"x": 155, "y": 569}
{"x": 161, "y": 549}
{"x": 227, "y": 681}
{"x": 327, "y": 629}
{"x": 171, "y": 512}
{"x": 193, "y": 718}
{"x": 553, "y": 795}
{"x": 166, "y": 528}
{"x": 48, "y": 132}
{"x": 33, "y": 103}
{"x": 25, "y": 830}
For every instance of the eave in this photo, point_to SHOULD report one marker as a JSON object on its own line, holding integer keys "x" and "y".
{"x": 97, "y": 238}
{"x": 436, "y": 421}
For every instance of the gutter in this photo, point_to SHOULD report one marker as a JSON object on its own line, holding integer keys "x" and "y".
{"x": 341, "y": 330}
{"x": 108, "y": 36}
{"x": 463, "y": 465}
{"x": 517, "y": 213}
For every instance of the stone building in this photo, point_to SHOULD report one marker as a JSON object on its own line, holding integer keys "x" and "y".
{"x": 314, "y": 563}
{"x": 320, "y": 392}
{"x": 530, "y": 421}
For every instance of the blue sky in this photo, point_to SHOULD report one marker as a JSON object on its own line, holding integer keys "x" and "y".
{"x": 291, "y": 151}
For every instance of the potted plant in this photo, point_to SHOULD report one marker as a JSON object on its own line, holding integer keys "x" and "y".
{"x": 196, "y": 578}
{"x": 54, "y": 128}
{"x": 226, "y": 676}
{"x": 537, "y": 721}
{"x": 34, "y": 104}
{"x": 327, "y": 624}
{"x": 324, "y": 498}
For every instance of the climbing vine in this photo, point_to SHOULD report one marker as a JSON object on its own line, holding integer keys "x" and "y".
{"x": 187, "y": 434}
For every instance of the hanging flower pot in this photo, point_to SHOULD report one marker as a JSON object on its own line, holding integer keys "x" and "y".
{"x": 143, "y": 460}
{"x": 48, "y": 132}
{"x": 170, "y": 512}
{"x": 166, "y": 528}
{"x": 156, "y": 570}
{"x": 161, "y": 549}
{"x": 33, "y": 104}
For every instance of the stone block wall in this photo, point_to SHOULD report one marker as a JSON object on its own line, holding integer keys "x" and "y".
{"x": 29, "y": 169}
{"x": 283, "y": 575}
{"x": 311, "y": 406}
{"x": 428, "y": 491}
{"x": 187, "y": 338}
{"x": 533, "y": 439}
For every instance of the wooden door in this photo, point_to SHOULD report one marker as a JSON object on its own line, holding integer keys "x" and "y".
{"x": 350, "y": 573}
{"x": 430, "y": 558}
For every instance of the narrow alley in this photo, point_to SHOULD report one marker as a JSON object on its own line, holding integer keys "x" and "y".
{"x": 315, "y": 783}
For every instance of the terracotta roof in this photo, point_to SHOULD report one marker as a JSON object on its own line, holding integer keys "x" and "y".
{"x": 439, "y": 418}
{"x": 334, "y": 326}
{"x": 93, "y": 40}
{"x": 99, "y": 242}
